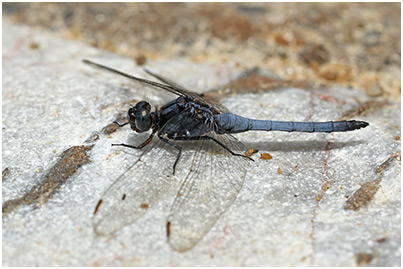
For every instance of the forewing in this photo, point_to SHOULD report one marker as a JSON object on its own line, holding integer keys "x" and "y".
{"x": 170, "y": 86}
{"x": 142, "y": 80}
{"x": 137, "y": 189}
{"x": 184, "y": 91}
{"x": 211, "y": 186}
{"x": 167, "y": 81}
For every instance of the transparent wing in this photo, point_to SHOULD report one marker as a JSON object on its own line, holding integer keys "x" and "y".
{"x": 194, "y": 96}
{"x": 214, "y": 179}
{"x": 170, "y": 86}
{"x": 168, "y": 81}
{"x": 137, "y": 189}
{"x": 211, "y": 178}
{"x": 210, "y": 186}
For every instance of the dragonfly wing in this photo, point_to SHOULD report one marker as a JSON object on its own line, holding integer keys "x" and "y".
{"x": 168, "y": 88}
{"x": 137, "y": 189}
{"x": 187, "y": 92}
{"x": 210, "y": 187}
{"x": 169, "y": 85}
{"x": 167, "y": 81}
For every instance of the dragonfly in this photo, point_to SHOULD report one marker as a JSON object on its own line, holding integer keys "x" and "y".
{"x": 198, "y": 133}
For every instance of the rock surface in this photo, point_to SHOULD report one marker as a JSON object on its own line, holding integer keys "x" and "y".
{"x": 291, "y": 211}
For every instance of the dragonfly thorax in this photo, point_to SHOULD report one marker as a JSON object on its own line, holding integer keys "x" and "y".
{"x": 139, "y": 117}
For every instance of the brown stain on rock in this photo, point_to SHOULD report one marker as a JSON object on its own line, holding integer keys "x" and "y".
{"x": 213, "y": 32}
{"x": 314, "y": 54}
{"x": 168, "y": 228}
{"x": 236, "y": 27}
{"x": 363, "y": 258}
{"x": 110, "y": 128}
{"x": 252, "y": 83}
{"x": 98, "y": 205}
{"x": 367, "y": 191}
{"x": 362, "y": 196}
{"x": 68, "y": 163}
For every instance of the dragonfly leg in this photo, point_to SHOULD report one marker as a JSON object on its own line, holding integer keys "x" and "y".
{"x": 175, "y": 146}
{"x": 142, "y": 145}
{"x": 120, "y": 124}
{"x": 215, "y": 140}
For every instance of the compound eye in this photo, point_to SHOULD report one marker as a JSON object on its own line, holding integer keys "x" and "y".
{"x": 139, "y": 117}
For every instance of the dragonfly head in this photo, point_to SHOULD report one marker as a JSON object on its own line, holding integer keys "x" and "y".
{"x": 139, "y": 117}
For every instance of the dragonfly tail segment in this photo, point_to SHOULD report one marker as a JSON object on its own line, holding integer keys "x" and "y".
{"x": 236, "y": 124}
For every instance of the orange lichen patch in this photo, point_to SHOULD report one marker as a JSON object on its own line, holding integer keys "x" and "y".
{"x": 250, "y": 152}
{"x": 336, "y": 73}
{"x": 140, "y": 59}
{"x": 314, "y": 55}
{"x": 282, "y": 39}
{"x": 363, "y": 258}
{"x": 265, "y": 156}
{"x": 226, "y": 27}
{"x": 318, "y": 198}
{"x": 279, "y": 171}
{"x": 397, "y": 137}
{"x": 34, "y": 46}
{"x": 69, "y": 161}
{"x": 144, "y": 205}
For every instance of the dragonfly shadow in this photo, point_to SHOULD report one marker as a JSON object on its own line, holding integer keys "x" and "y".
{"x": 313, "y": 145}
{"x": 285, "y": 146}
{"x": 156, "y": 143}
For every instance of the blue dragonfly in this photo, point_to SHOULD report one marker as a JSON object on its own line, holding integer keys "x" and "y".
{"x": 197, "y": 133}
